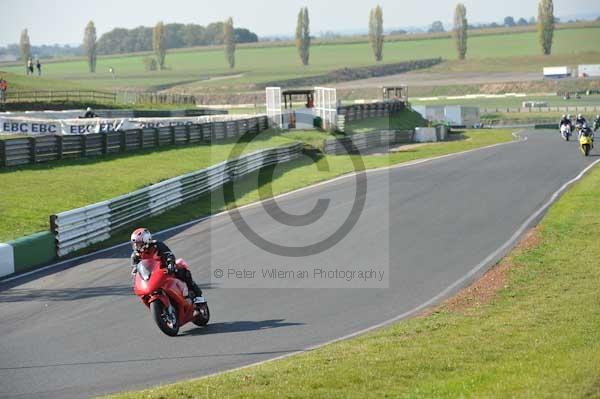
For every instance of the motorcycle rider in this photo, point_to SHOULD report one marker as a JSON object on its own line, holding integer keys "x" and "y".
{"x": 564, "y": 120}
{"x": 144, "y": 246}
{"x": 89, "y": 113}
{"x": 587, "y": 132}
{"x": 580, "y": 121}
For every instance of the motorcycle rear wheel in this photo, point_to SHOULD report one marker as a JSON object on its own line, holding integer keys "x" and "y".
{"x": 160, "y": 315}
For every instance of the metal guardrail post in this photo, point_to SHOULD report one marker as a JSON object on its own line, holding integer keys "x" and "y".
{"x": 141, "y": 138}
{"x": 173, "y": 140}
{"x": 156, "y": 137}
{"x": 32, "y": 150}
{"x": 123, "y": 140}
{"x": 59, "y": 147}
{"x": 105, "y": 143}
{"x": 3, "y": 161}
{"x": 83, "y": 143}
{"x": 188, "y": 134}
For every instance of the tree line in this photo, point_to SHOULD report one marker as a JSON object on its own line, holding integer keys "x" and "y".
{"x": 161, "y": 36}
{"x": 545, "y": 26}
{"x": 121, "y": 40}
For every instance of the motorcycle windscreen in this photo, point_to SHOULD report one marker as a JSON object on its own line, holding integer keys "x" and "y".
{"x": 144, "y": 270}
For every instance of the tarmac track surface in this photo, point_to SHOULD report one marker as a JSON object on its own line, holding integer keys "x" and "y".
{"x": 78, "y": 331}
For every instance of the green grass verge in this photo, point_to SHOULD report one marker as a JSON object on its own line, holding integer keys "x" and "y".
{"x": 29, "y": 193}
{"x": 537, "y": 338}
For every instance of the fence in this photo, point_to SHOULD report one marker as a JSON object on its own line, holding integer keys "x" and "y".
{"x": 81, "y": 227}
{"x": 49, "y": 96}
{"x": 573, "y": 109}
{"x": 31, "y": 150}
{"x": 128, "y": 97}
{"x": 357, "y": 112}
{"x": 360, "y": 142}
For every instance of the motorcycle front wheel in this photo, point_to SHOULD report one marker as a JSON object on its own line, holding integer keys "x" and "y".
{"x": 586, "y": 149}
{"x": 203, "y": 315}
{"x": 161, "y": 318}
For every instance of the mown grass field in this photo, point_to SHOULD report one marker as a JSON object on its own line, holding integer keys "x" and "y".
{"x": 537, "y": 336}
{"x": 29, "y": 193}
{"x": 190, "y": 70}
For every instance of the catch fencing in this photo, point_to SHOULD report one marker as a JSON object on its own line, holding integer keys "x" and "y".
{"x": 32, "y": 150}
{"x": 50, "y": 96}
{"x": 82, "y": 227}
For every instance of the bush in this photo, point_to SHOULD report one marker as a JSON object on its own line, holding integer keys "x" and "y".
{"x": 150, "y": 64}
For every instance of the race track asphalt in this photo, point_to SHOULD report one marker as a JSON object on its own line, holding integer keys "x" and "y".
{"x": 78, "y": 331}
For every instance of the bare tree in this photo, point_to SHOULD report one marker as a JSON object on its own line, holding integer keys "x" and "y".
{"x": 460, "y": 30}
{"x": 545, "y": 25}
{"x": 376, "y": 32}
{"x": 89, "y": 45}
{"x": 229, "y": 40}
{"x": 303, "y": 35}
{"x": 159, "y": 44}
{"x": 25, "y": 46}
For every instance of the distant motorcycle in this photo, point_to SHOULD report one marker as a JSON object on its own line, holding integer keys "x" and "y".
{"x": 167, "y": 297}
{"x": 585, "y": 142}
{"x": 565, "y": 132}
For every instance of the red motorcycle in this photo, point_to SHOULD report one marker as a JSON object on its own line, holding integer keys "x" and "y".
{"x": 167, "y": 297}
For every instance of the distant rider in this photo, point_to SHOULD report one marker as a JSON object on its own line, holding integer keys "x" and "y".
{"x": 597, "y": 123}
{"x": 89, "y": 113}
{"x": 587, "y": 132}
{"x": 145, "y": 247}
{"x": 565, "y": 121}
{"x": 580, "y": 121}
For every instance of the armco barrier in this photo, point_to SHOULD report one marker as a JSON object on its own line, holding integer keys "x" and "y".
{"x": 79, "y": 228}
{"x": 359, "y": 142}
{"x": 31, "y": 150}
{"x": 26, "y": 253}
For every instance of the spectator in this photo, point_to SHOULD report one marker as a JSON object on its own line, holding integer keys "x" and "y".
{"x": 29, "y": 67}
{"x": 3, "y": 88}
{"x": 112, "y": 72}
{"x": 89, "y": 113}
{"x": 39, "y": 67}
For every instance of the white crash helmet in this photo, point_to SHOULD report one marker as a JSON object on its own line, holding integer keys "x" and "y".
{"x": 141, "y": 239}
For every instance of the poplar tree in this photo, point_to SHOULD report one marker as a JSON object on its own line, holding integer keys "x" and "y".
{"x": 545, "y": 25}
{"x": 460, "y": 30}
{"x": 303, "y": 35}
{"x": 89, "y": 45}
{"x": 376, "y": 32}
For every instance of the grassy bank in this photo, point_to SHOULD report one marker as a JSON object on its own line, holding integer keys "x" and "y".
{"x": 29, "y": 193}
{"x": 196, "y": 70}
{"x": 534, "y": 333}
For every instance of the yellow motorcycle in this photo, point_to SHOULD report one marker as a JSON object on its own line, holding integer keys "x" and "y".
{"x": 585, "y": 143}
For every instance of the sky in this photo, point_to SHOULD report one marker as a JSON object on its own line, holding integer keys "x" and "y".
{"x": 63, "y": 21}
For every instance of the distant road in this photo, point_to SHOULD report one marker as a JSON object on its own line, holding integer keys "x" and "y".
{"x": 441, "y": 79}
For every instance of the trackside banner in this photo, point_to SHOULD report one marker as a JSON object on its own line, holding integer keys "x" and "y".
{"x": 40, "y": 127}
{"x": 35, "y": 127}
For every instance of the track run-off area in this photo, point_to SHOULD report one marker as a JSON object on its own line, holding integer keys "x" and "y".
{"x": 77, "y": 330}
